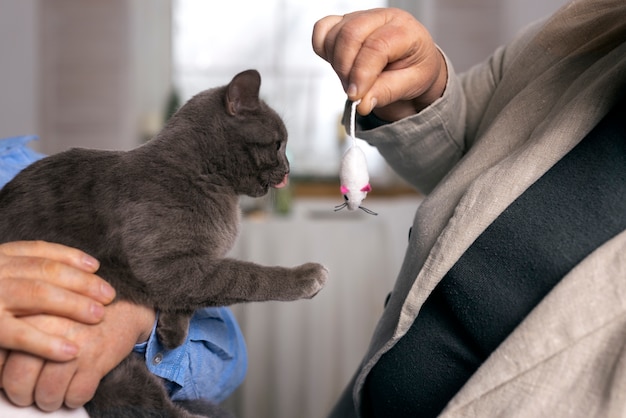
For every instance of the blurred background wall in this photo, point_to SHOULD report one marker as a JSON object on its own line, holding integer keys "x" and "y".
{"x": 83, "y": 73}
{"x": 102, "y": 74}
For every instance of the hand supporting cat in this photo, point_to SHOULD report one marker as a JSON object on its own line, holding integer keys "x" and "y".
{"x": 161, "y": 219}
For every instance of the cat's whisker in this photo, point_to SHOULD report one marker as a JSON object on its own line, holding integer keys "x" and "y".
{"x": 368, "y": 211}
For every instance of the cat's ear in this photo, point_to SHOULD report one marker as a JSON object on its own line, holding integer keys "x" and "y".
{"x": 243, "y": 92}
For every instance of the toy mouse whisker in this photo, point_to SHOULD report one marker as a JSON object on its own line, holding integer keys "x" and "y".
{"x": 368, "y": 211}
{"x": 339, "y": 207}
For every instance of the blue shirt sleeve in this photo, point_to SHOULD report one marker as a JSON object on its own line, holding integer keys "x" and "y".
{"x": 15, "y": 155}
{"x": 211, "y": 363}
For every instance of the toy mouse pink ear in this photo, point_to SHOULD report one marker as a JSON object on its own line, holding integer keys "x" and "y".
{"x": 367, "y": 188}
{"x": 344, "y": 189}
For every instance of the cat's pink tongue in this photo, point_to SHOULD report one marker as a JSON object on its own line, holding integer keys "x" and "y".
{"x": 282, "y": 183}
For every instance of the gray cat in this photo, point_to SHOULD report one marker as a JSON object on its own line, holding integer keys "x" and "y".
{"x": 161, "y": 219}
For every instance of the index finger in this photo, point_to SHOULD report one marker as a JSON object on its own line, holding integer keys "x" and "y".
{"x": 58, "y": 265}
{"x": 392, "y": 39}
{"x": 64, "y": 254}
{"x": 339, "y": 39}
{"x": 320, "y": 33}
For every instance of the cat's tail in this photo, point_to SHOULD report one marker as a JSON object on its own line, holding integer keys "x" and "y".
{"x": 131, "y": 391}
{"x": 204, "y": 408}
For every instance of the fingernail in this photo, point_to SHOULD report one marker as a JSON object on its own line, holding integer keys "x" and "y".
{"x": 90, "y": 262}
{"x": 351, "y": 90}
{"x": 97, "y": 310}
{"x": 69, "y": 349}
{"x": 107, "y": 291}
{"x": 374, "y": 102}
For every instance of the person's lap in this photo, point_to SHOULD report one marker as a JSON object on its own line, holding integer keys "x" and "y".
{"x": 7, "y": 409}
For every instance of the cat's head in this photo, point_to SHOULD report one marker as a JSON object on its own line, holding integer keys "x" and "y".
{"x": 245, "y": 139}
{"x": 262, "y": 134}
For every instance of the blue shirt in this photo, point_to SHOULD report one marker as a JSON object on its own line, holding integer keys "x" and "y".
{"x": 211, "y": 363}
{"x": 15, "y": 156}
{"x": 214, "y": 349}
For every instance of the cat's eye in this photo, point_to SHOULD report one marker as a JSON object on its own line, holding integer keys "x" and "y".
{"x": 278, "y": 145}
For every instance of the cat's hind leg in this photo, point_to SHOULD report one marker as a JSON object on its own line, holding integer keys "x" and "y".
{"x": 172, "y": 328}
{"x": 131, "y": 391}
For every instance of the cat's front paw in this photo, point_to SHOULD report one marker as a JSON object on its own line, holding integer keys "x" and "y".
{"x": 310, "y": 279}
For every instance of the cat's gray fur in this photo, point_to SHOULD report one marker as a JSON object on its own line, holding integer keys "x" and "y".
{"x": 161, "y": 219}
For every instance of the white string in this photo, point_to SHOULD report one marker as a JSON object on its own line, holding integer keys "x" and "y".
{"x": 352, "y": 120}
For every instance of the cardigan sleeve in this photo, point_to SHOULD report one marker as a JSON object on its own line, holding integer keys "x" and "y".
{"x": 422, "y": 148}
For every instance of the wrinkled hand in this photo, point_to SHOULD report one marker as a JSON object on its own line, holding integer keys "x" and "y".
{"x": 57, "y": 338}
{"x": 384, "y": 57}
{"x": 40, "y": 277}
{"x": 27, "y": 378}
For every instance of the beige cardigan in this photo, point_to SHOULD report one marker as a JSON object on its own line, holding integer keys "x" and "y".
{"x": 496, "y": 130}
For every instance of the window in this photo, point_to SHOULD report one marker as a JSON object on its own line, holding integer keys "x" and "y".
{"x": 212, "y": 41}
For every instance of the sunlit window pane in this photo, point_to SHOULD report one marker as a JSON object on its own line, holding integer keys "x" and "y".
{"x": 212, "y": 41}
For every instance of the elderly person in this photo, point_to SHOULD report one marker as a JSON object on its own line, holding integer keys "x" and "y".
{"x": 512, "y": 297}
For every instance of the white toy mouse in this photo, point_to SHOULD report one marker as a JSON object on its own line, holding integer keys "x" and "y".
{"x": 353, "y": 174}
